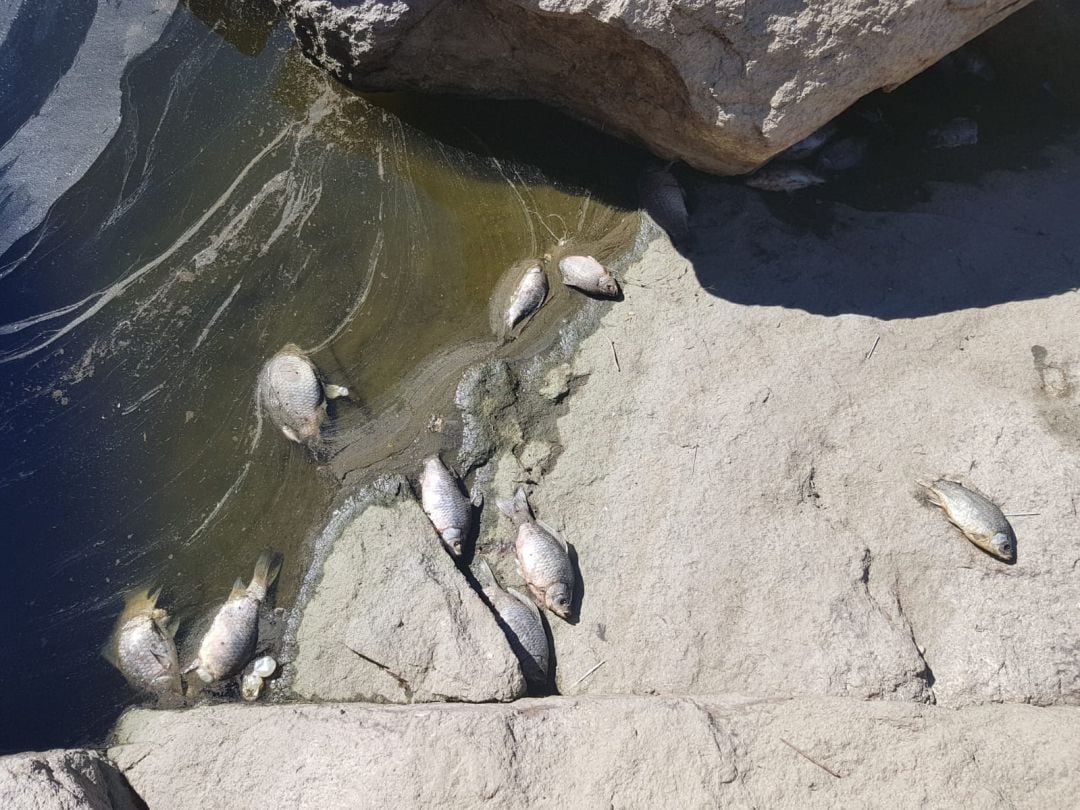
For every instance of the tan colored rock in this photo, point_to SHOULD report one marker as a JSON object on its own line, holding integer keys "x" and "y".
{"x": 740, "y": 490}
{"x": 63, "y": 780}
{"x": 716, "y": 751}
{"x": 722, "y": 85}
{"x": 394, "y": 620}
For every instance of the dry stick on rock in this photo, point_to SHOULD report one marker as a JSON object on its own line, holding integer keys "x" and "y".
{"x": 587, "y": 674}
{"x": 809, "y": 758}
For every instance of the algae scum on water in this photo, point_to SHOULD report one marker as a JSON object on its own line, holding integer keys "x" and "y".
{"x": 244, "y": 202}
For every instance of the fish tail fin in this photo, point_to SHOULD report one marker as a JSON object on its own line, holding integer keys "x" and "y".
{"x": 266, "y": 571}
{"x": 517, "y": 509}
{"x": 139, "y": 601}
{"x": 927, "y": 493}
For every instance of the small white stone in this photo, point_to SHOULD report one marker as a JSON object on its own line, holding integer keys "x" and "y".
{"x": 264, "y": 667}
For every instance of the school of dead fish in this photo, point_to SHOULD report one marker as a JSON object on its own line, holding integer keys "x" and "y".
{"x": 293, "y": 393}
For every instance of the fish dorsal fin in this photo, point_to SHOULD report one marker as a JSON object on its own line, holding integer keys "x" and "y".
{"x": 529, "y": 603}
{"x": 238, "y": 589}
{"x": 550, "y": 530}
{"x": 138, "y": 602}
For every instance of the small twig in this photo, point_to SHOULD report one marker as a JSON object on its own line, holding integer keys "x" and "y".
{"x": 587, "y": 674}
{"x": 615, "y": 354}
{"x": 809, "y": 758}
{"x": 1023, "y": 514}
{"x": 870, "y": 353}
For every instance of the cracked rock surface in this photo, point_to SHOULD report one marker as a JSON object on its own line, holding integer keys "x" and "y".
{"x": 394, "y": 621}
{"x": 721, "y": 85}
{"x": 63, "y": 780}
{"x": 714, "y": 751}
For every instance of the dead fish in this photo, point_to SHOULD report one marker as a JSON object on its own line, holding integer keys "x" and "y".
{"x": 959, "y": 131}
{"x": 523, "y": 626}
{"x": 528, "y": 296}
{"x": 979, "y": 518}
{"x": 142, "y": 645}
{"x": 543, "y": 558}
{"x": 293, "y": 394}
{"x": 445, "y": 504}
{"x": 809, "y": 145}
{"x": 664, "y": 199}
{"x": 588, "y": 275}
{"x": 843, "y": 155}
{"x": 783, "y": 177}
{"x": 230, "y": 642}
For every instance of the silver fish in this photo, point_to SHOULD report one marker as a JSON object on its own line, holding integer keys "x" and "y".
{"x": 842, "y": 155}
{"x": 544, "y": 560}
{"x": 959, "y": 131}
{"x": 783, "y": 177}
{"x": 810, "y": 144}
{"x": 529, "y": 294}
{"x": 588, "y": 275}
{"x": 523, "y": 626}
{"x": 664, "y": 199}
{"x": 979, "y": 518}
{"x": 230, "y": 642}
{"x": 142, "y": 645}
{"x": 293, "y": 395}
{"x": 447, "y": 507}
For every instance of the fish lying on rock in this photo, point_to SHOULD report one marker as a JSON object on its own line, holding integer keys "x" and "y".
{"x": 783, "y": 177}
{"x": 543, "y": 559}
{"x": 523, "y": 626}
{"x": 528, "y": 296}
{"x": 230, "y": 642}
{"x": 588, "y": 275}
{"x": 809, "y": 145}
{"x": 959, "y": 131}
{"x": 979, "y": 518}
{"x": 843, "y": 154}
{"x": 448, "y": 508}
{"x": 663, "y": 197}
{"x": 142, "y": 645}
{"x": 293, "y": 394}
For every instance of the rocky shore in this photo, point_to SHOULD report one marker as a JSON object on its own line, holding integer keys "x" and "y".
{"x": 768, "y": 614}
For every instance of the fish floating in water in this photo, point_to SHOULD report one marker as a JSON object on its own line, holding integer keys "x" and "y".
{"x": 524, "y": 627}
{"x": 543, "y": 558}
{"x": 959, "y": 131}
{"x": 142, "y": 645}
{"x": 230, "y": 642}
{"x": 783, "y": 177}
{"x": 528, "y": 296}
{"x": 979, "y": 518}
{"x": 445, "y": 504}
{"x": 663, "y": 198}
{"x": 293, "y": 394}
{"x": 588, "y": 275}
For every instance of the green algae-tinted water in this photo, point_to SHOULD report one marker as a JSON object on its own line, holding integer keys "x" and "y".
{"x": 243, "y": 201}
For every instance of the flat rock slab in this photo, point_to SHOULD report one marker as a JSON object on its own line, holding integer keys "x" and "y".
{"x": 394, "y": 620}
{"x": 740, "y": 488}
{"x": 603, "y": 752}
{"x": 63, "y": 780}
{"x": 722, "y": 85}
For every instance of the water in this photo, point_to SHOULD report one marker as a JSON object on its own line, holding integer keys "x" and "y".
{"x": 162, "y": 237}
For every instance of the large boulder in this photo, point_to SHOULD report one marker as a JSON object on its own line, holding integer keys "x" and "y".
{"x": 394, "y": 620}
{"x": 721, "y": 85}
{"x": 63, "y": 780}
{"x": 604, "y": 752}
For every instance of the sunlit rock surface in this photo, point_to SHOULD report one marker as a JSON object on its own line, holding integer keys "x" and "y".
{"x": 720, "y": 85}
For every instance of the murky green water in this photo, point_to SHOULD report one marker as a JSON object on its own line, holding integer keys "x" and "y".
{"x": 246, "y": 201}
